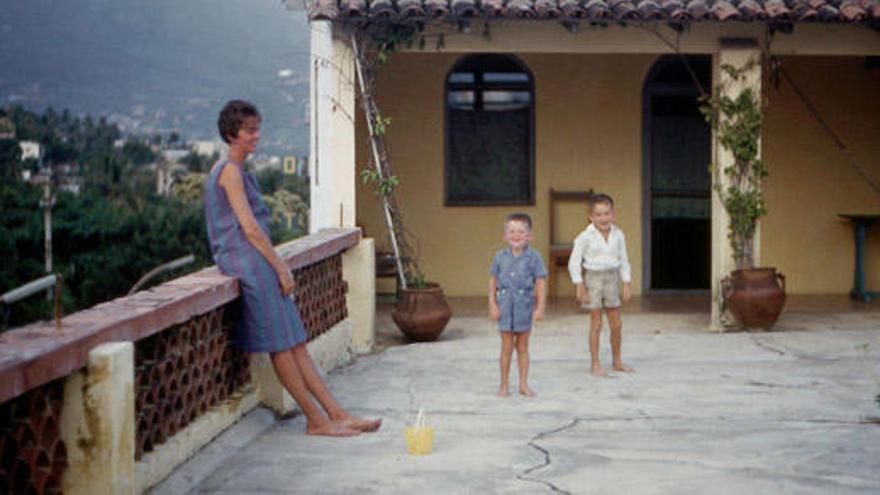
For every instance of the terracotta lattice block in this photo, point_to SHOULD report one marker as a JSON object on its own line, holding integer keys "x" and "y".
{"x": 32, "y": 455}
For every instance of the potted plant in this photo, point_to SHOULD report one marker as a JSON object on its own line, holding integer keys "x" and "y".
{"x": 755, "y": 296}
{"x": 421, "y": 311}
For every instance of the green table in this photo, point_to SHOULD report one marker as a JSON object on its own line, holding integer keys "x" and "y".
{"x": 860, "y": 228}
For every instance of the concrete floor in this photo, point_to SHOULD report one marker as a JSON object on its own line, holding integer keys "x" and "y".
{"x": 789, "y": 411}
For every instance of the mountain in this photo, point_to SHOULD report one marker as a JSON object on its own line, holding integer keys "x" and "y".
{"x": 160, "y": 65}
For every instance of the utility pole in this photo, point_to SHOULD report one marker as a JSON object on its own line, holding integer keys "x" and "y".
{"x": 47, "y": 203}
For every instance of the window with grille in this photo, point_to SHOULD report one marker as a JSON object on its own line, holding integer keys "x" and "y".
{"x": 489, "y": 132}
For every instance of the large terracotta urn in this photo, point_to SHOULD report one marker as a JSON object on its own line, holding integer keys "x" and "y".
{"x": 755, "y": 296}
{"x": 421, "y": 314}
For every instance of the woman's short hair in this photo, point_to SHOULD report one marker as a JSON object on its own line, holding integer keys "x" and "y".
{"x": 232, "y": 117}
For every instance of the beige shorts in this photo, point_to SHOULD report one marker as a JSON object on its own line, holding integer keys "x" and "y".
{"x": 604, "y": 289}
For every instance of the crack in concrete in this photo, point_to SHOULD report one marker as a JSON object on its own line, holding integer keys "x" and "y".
{"x": 779, "y": 385}
{"x": 765, "y": 345}
{"x": 546, "y": 453}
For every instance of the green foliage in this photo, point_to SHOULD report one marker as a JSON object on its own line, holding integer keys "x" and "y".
{"x": 117, "y": 228}
{"x": 381, "y": 124}
{"x": 101, "y": 244}
{"x": 139, "y": 153}
{"x": 388, "y": 41}
{"x": 383, "y": 186}
{"x": 287, "y": 197}
{"x": 10, "y": 158}
{"x": 737, "y": 122}
{"x": 199, "y": 163}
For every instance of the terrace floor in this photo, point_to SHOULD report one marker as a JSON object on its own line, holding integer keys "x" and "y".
{"x": 788, "y": 411}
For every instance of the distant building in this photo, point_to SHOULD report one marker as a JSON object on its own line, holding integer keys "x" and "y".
{"x": 30, "y": 149}
{"x": 296, "y": 165}
{"x": 174, "y": 156}
{"x": 262, "y": 161}
{"x": 208, "y": 148}
{"x": 7, "y": 128}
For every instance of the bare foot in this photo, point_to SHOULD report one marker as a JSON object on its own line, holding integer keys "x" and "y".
{"x": 622, "y": 367}
{"x": 502, "y": 392}
{"x": 331, "y": 429}
{"x": 597, "y": 370}
{"x": 527, "y": 391}
{"x": 361, "y": 424}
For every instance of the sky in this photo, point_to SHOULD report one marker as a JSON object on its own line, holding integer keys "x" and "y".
{"x": 159, "y": 65}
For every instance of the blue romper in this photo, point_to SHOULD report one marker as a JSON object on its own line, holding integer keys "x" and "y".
{"x": 515, "y": 277}
{"x": 269, "y": 321}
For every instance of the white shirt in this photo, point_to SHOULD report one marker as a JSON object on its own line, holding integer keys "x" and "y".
{"x": 592, "y": 251}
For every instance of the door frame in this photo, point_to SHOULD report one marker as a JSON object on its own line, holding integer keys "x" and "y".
{"x": 649, "y": 90}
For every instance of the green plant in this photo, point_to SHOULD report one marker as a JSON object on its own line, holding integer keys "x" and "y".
{"x": 372, "y": 48}
{"x": 736, "y": 120}
{"x": 383, "y": 186}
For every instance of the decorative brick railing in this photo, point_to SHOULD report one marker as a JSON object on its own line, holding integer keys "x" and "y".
{"x": 183, "y": 364}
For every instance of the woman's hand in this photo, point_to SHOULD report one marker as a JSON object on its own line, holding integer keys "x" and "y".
{"x": 285, "y": 279}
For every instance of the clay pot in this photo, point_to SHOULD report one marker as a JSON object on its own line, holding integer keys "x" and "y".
{"x": 755, "y": 296}
{"x": 421, "y": 314}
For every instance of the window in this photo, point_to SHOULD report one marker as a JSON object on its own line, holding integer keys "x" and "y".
{"x": 489, "y": 132}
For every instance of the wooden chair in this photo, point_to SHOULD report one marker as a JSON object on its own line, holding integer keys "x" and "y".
{"x": 560, "y": 250}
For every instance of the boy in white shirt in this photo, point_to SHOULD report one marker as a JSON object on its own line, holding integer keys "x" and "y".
{"x": 601, "y": 250}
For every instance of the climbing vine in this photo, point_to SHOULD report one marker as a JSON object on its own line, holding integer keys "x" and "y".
{"x": 736, "y": 120}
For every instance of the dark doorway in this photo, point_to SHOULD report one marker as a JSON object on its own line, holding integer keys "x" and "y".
{"x": 678, "y": 183}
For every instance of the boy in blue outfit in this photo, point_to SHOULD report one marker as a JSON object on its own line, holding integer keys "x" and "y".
{"x": 516, "y": 297}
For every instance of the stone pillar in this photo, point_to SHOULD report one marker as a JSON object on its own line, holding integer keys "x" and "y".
{"x": 736, "y": 53}
{"x": 359, "y": 271}
{"x": 98, "y": 422}
{"x": 332, "y": 166}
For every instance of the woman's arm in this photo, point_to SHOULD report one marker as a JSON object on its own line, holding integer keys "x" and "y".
{"x": 231, "y": 182}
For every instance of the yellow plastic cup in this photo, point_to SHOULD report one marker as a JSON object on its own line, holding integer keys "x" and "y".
{"x": 419, "y": 441}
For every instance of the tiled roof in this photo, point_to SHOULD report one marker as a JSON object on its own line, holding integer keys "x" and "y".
{"x": 679, "y": 11}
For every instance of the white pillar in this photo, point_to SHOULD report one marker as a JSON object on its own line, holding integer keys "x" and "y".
{"x": 736, "y": 53}
{"x": 98, "y": 422}
{"x": 332, "y": 165}
{"x": 359, "y": 271}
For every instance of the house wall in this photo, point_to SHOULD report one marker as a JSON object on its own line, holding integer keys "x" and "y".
{"x": 588, "y": 134}
{"x": 811, "y": 181}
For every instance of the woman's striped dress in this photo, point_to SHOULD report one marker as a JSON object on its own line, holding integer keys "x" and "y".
{"x": 269, "y": 321}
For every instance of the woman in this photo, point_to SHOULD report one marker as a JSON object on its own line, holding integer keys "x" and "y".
{"x": 238, "y": 229}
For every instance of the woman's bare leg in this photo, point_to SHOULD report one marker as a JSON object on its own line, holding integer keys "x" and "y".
{"x": 316, "y": 422}
{"x": 316, "y": 385}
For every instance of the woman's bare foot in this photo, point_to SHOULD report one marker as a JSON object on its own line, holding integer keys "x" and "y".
{"x": 361, "y": 424}
{"x": 622, "y": 367}
{"x": 331, "y": 429}
{"x": 503, "y": 392}
{"x": 596, "y": 370}
{"x": 525, "y": 390}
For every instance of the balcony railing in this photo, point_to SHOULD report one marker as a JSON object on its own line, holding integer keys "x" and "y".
{"x": 181, "y": 367}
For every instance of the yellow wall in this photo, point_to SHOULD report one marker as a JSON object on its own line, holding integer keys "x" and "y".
{"x": 588, "y": 133}
{"x": 587, "y": 130}
{"x": 811, "y": 181}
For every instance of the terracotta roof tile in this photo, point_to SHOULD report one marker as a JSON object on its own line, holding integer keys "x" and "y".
{"x": 842, "y": 11}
